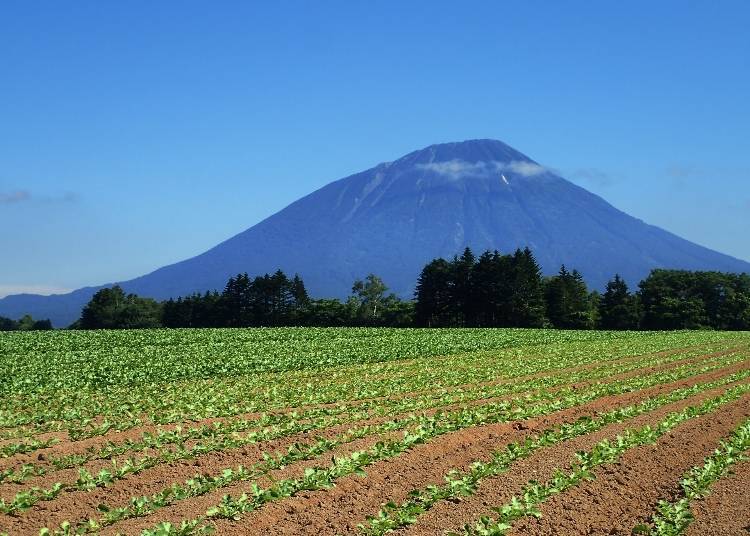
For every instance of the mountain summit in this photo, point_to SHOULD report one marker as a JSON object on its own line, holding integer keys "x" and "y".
{"x": 392, "y": 219}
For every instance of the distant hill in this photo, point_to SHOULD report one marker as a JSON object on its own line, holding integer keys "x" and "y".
{"x": 395, "y": 217}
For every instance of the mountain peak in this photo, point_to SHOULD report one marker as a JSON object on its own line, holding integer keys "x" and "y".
{"x": 392, "y": 219}
{"x": 472, "y": 151}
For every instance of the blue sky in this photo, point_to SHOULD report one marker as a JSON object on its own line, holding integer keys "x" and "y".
{"x": 136, "y": 134}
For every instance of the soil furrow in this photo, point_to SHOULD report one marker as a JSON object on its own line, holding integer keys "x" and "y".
{"x": 42, "y": 457}
{"x": 726, "y": 510}
{"x": 396, "y": 476}
{"x": 185, "y": 468}
{"x": 116, "y": 435}
{"x": 496, "y": 491}
{"x": 78, "y": 505}
{"x": 625, "y": 494}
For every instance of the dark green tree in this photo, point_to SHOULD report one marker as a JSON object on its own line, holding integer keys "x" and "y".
{"x": 670, "y": 301}
{"x": 461, "y": 305}
{"x": 568, "y": 302}
{"x": 433, "y": 295}
{"x": 526, "y": 291}
{"x": 237, "y": 307}
{"x": 617, "y": 306}
{"x": 7, "y": 324}
{"x": 111, "y": 308}
{"x": 42, "y": 325}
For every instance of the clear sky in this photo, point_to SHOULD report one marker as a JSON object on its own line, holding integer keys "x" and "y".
{"x": 136, "y": 134}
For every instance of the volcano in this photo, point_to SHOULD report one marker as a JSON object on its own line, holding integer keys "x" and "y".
{"x": 395, "y": 217}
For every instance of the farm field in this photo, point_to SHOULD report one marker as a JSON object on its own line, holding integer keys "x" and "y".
{"x": 374, "y": 431}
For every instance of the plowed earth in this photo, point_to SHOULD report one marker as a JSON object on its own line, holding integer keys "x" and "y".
{"x": 621, "y": 496}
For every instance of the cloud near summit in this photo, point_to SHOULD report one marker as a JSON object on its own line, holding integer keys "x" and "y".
{"x": 455, "y": 169}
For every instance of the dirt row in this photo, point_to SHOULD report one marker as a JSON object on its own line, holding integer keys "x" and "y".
{"x": 66, "y": 447}
{"x": 387, "y": 480}
{"x": 79, "y": 505}
{"x": 726, "y": 511}
{"x": 134, "y": 433}
{"x": 254, "y": 450}
{"x": 338, "y": 511}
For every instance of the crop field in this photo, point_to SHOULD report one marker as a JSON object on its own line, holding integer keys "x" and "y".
{"x": 374, "y": 431}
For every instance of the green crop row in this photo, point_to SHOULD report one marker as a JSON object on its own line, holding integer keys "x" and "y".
{"x": 201, "y": 484}
{"x": 460, "y": 484}
{"x": 672, "y": 518}
{"x": 445, "y": 421}
{"x": 369, "y": 409}
{"x": 107, "y": 358}
{"x": 166, "y": 403}
{"x": 428, "y": 429}
{"x": 606, "y": 451}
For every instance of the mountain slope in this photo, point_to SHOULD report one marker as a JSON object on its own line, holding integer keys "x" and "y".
{"x": 393, "y": 218}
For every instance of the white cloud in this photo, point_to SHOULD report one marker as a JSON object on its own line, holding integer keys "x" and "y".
{"x": 455, "y": 169}
{"x": 527, "y": 169}
{"x": 46, "y": 290}
{"x": 14, "y": 197}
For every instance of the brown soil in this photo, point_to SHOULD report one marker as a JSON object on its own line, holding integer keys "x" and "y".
{"x": 134, "y": 433}
{"x": 376, "y": 488}
{"x": 726, "y": 511}
{"x": 338, "y": 511}
{"x": 94, "y": 466}
{"x": 398, "y": 474}
{"x": 626, "y": 493}
{"x": 41, "y": 457}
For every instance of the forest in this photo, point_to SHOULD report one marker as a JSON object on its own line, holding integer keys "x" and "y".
{"x": 491, "y": 290}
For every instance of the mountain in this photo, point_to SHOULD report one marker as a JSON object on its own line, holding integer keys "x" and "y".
{"x": 392, "y": 219}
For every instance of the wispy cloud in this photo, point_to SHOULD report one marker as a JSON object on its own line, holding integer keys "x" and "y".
{"x": 23, "y": 196}
{"x": 594, "y": 176}
{"x": 455, "y": 169}
{"x": 46, "y": 290}
{"x": 17, "y": 196}
{"x": 682, "y": 174}
{"x": 527, "y": 169}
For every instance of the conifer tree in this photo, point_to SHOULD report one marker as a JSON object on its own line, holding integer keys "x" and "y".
{"x": 617, "y": 307}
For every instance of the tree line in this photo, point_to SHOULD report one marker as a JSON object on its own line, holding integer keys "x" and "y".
{"x": 497, "y": 290}
{"x": 271, "y": 300}
{"x": 25, "y": 323}
{"x": 492, "y": 290}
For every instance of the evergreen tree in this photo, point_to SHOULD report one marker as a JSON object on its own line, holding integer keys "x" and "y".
{"x": 489, "y": 279}
{"x": 7, "y": 324}
{"x": 42, "y": 325}
{"x": 236, "y": 302}
{"x": 568, "y": 304}
{"x": 433, "y": 295}
{"x": 526, "y": 306}
{"x": 461, "y": 305}
{"x": 617, "y": 307}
